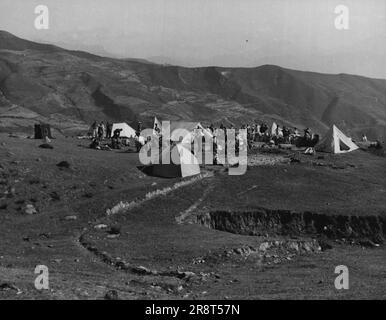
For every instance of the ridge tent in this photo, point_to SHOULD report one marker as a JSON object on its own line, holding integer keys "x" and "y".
{"x": 336, "y": 141}
{"x": 127, "y": 131}
{"x": 182, "y": 164}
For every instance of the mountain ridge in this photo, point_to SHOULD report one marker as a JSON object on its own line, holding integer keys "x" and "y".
{"x": 69, "y": 89}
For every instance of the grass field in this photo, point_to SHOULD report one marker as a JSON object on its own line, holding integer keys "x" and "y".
{"x": 155, "y": 249}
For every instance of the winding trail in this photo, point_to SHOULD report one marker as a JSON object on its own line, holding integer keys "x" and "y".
{"x": 125, "y": 207}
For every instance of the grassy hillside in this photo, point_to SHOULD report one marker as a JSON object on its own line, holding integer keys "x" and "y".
{"x": 70, "y": 89}
{"x": 264, "y": 252}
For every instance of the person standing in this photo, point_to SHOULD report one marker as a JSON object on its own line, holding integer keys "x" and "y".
{"x": 139, "y": 128}
{"x": 103, "y": 129}
{"x": 109, "y": 128}
{"x": 100, "y": 131}
{"x": 94, "y": 129}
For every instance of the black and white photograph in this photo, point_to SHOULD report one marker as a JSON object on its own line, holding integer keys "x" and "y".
{"x": 202, "y": 153}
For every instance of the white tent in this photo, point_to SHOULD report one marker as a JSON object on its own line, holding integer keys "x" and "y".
{"x": 273, "y": 129}
{"x": 336, "y": 141}
{"x": 157, "y": 125}
{"x": 182, "y": 163}
{"x": 157, "y": 122}
{"x": 127, "y": 131}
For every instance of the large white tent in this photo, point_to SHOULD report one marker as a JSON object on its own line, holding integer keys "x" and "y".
{"x": 127, "y": 131}
{"x": 182, "y": 163}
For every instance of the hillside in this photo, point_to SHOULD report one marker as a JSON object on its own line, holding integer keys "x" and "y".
{"x": 70, "y": 89}
{"x": 274, "y": 233}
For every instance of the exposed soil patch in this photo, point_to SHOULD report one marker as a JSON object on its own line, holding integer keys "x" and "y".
{"x": 280, "y": 222}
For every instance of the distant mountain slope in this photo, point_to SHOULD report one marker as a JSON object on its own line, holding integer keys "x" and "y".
{"x": 11, "y": 42}
{"x": 70, "y": 89}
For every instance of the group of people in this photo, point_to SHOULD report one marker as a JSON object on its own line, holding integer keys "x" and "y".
{"x": 101, "y": 130}
{"x": 271, "y": 134}
{"x": 274, "y": 134}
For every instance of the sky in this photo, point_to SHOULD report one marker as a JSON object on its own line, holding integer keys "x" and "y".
{"x": 297, "y": 34}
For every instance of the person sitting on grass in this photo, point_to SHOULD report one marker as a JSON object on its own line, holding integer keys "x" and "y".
{"x": 95, "y": 144}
